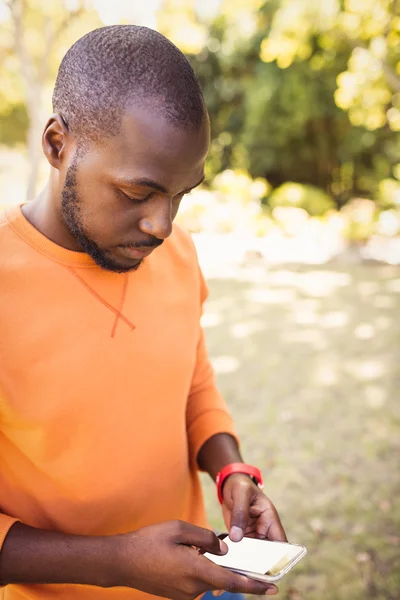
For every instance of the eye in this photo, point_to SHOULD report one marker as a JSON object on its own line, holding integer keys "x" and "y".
{"x": 135, "y": 199}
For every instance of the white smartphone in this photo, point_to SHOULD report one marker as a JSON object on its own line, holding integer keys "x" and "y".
{"x": 259, "y": 559}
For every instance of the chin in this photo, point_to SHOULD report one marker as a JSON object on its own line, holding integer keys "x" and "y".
{"x": 108, "y": 263}
{"x": 126, "y": 267}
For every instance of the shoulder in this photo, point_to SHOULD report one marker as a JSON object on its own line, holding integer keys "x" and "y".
{"x": 184, "y": 255}
{"x": 3, "y": 221}
{"x": 181, "y": 245}
{"x": 14, "y": 251}
{"x": 6, "y": 231}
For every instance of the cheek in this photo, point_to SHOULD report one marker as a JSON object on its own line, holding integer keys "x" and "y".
{"x": 108, "y": 216}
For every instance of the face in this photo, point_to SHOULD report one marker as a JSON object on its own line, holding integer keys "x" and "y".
{"x": 119, "y": 200}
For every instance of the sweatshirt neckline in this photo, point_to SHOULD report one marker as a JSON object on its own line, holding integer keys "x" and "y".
{"x": 22, "y": 227}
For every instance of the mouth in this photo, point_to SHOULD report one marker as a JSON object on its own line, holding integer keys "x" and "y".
{"x": 136, "y": 253}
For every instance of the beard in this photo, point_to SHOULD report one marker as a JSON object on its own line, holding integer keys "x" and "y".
{"x": 72, "y": 216}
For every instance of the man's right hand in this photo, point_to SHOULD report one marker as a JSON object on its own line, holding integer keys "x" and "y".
{"x": 164, "y": 560}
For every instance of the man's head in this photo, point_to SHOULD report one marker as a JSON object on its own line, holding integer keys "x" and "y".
{"x": 128, "y": 139}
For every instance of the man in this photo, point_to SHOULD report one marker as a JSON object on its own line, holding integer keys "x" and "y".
{"x": 108, "y": 401}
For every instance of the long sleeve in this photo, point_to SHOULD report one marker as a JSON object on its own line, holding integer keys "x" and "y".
{"x": 207, "y": 413}
{"x": 6, "y": 523}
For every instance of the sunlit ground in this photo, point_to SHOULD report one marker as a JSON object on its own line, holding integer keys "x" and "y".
{"x": 308, "y": 360}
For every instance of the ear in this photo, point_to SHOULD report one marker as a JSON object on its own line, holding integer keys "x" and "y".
{"x": 55, "y": 139}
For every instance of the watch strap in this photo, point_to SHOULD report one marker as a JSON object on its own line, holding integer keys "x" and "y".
{"x": 254, "y": 473}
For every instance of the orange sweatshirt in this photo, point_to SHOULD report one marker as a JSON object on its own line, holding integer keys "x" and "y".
{"x": 106, "y": 393}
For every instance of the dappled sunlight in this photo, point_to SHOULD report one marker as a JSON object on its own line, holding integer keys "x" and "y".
{"x": 375, "y": 396}
{"x": 368, "y": 288}
{"x": 307, "y": 362}
{"x": 322, "y": 283}
{"x": 364, "y": 331}
{"x": 287, "y": 415}
{"x": 325, "y": 373}
{"x": 246, "y": 328}
{"x": 393, "y": 286}
{"x": 375, "y": 429}
{"x": 312, "y": 337}
{"x": 304, "y": 312}
{"x": 271, "y": 296}
{"x": 224, "y": 364}
{"x": 384, "y": 301}
{"x": 252, "y": 274}
{"x": 366, "y": 370}
{"x": 219, "y": 304}
{"x": 334, "y": 319}
{"x": 211, "y": 319}
{"x": 282, "y": 277}
{"x": 382, "y": 322}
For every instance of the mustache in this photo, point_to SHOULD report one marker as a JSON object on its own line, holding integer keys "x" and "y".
{"x": 149, "y": 243}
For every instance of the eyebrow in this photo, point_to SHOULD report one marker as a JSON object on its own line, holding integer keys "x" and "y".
{"x": 152, "y": 184}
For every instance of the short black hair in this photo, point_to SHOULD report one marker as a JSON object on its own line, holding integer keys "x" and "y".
{"x": 111, "y": 67}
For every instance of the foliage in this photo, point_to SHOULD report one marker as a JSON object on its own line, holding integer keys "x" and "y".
{"x": 233, "y": 202}
{"x": 389, "y": 193}
{"x": 34, "y": 37}
{"x": 310, "y": 95}
{"x": 360, "y": 220}
{"x": 313, "y": 200}
{"x": 298, "y": 91}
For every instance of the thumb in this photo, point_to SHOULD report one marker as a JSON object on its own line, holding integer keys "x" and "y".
{"x": 241, "y": 499}
{"x": 204, "y": 539}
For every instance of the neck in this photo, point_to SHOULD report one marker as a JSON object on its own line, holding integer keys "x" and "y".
{"x": 44, "y": 214}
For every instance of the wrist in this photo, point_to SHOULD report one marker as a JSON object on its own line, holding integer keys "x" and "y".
{"x": 121, "y": 567}
{"x": 113, "y": 568}
{"x": 243, "y": 469}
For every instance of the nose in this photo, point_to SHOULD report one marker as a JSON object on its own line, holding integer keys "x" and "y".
{"x": 158, "y": 222}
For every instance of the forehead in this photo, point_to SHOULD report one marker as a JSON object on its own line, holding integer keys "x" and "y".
{"x": 150, "y": 146}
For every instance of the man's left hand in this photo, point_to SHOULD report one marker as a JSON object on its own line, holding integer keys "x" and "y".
{"x": 249, "y": 512}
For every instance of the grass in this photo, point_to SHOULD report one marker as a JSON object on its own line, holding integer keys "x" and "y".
{"x": 308, "y": 360}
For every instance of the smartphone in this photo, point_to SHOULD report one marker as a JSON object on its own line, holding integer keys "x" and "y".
{"x": 259, "y": 559}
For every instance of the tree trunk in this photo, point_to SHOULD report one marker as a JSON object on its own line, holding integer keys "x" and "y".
{"x": 34, "y": 150}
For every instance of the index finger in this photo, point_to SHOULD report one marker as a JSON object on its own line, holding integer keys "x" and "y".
{"x": 276, "y": 533}
{"x": 220, "y": 578}
{"x": 268, "y": 524}
{"x": 202, "y": 538}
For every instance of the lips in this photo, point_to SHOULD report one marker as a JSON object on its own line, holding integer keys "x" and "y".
{"x": 136, "y": 253}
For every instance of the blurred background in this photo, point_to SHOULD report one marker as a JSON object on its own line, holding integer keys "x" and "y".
{"x": 298, "y": 232}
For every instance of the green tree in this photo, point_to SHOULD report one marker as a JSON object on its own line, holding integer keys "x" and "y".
{"x": 34, "y": 38}
{"x": 277, "y": 95}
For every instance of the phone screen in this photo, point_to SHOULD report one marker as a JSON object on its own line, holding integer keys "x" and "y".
{"x": 257, "y": 556}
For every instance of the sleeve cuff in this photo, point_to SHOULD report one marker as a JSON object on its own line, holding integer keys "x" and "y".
{"x": 205, "y": 426}
{"x": 6, "y": 523}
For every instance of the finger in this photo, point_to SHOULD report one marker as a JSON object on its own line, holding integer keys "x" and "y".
{"x": 276, "y": 532}
{"x": 269, "y": 526}
{"x": 219, "y": 578}
{"x": 241, "y": 497}
{"x": 204, "y": 539}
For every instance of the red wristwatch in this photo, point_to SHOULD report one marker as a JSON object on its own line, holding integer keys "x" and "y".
{"x": 253, "y": 472}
